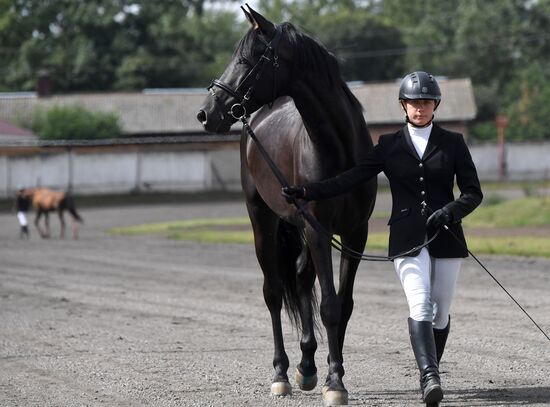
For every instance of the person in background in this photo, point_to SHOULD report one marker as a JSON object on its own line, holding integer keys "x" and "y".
{"x": 22, "y": 205}
{"x": 421, "y": 162}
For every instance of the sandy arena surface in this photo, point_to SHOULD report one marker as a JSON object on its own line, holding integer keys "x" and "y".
{"x": 145, "y": 321}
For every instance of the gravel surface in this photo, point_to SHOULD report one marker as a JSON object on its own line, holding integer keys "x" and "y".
{"x": 145, "y": 321}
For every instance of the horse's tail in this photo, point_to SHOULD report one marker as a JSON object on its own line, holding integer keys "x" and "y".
{"x": 294, "y": 253}
{"x": 68, "y": 203}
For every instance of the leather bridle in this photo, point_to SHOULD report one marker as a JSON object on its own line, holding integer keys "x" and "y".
{"x": 238, "y": 110}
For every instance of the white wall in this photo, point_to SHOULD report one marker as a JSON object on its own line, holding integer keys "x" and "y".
{"x": 524, "y": 161}
{"x": 122, "y": 172}
{"x": 147, "y": 169}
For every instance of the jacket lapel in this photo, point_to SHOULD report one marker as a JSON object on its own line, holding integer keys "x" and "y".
{"x": 436, "y": 136}
{"x": 407, "y": 143}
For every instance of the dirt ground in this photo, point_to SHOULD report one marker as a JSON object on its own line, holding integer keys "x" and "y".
{"x": 145, "y": 321}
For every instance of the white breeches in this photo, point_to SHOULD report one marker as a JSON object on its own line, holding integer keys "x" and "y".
{"x": 22, "y": 218}
{"x": 429, "y": 284}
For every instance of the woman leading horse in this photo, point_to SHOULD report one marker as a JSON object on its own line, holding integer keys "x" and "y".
{"x": 421, "y": 161}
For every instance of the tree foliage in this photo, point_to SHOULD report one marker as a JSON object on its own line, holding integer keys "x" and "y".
{"x": 96, "y": 45}
{"x": 112, "y": 44}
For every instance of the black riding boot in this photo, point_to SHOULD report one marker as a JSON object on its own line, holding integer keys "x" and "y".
{"x": 440, "y": 337}
{"x": 24, "y": 232}
{"x": 423, "y": 344}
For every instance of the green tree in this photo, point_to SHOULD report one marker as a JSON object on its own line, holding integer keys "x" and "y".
{"x": 530, "y": 113}
{"x": 428, "y": 31}
{"x": 179, "y": 52}
{"x": 105, "y": 44}
{"x": 360, "y": 41}
{"x": 351, "y": 30}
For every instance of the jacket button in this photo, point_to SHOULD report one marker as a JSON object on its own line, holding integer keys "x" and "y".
{"x": 421, "y": 179}
{"x": 420, "y": 165}
{"x": 422, "y": 193}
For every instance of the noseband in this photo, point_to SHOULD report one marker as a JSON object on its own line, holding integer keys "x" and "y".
{"x": 238, "y": 110}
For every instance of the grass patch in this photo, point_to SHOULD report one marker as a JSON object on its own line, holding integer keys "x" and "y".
{"x": 174, "y": 228}
{"x": 511, "y": 246}
{"x": 508, "y": 214}
{"x": 216, "y": 231}
{"x": 531, "y": 211}
{"x": 213, "y": 236}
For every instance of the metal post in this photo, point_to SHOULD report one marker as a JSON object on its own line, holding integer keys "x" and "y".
{"x": 71, "y": 169}
{"x": 501, "y": 123}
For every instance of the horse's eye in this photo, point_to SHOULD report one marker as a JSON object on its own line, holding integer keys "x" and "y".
{"x": 242, "y": 61}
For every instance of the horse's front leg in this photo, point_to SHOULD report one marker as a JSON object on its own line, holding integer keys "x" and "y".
{"x": 264, "y": 225}
{"x": 334, "y": 392}
{"x": 37, "y": 223}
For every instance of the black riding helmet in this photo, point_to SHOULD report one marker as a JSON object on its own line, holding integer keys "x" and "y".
{"x": 420, "y": 85}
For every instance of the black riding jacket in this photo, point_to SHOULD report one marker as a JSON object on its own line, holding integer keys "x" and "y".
{"x": 22, "y": 204}
{"x": 418, "y": 186}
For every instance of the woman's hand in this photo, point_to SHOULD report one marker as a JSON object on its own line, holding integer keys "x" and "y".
{"x": 439, "y": 218}
{"x": 291, "y": 193}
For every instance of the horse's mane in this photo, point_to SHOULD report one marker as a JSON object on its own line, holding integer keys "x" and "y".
{"x": 309, "y": 56}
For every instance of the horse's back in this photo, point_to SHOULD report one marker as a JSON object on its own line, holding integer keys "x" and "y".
{"x": 45, "y": 199}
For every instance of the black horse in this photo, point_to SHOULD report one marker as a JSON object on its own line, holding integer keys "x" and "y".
{"x": 313, "y": 128}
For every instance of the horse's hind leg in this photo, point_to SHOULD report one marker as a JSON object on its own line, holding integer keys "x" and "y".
{"x": 37, "y": 223}
{"x": 296, "y": 265}
{"x": 306, "y": 371}
{"x": 348, "y": 268}
{"x": 62, "y": 223}
{"x": 47, "y": 224}
{"x": 334, "y": 392}
{"x": 265, "y": 225}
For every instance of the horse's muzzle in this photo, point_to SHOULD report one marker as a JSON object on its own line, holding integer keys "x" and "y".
{"x": 210, "y": 124}
{"x": 202, "y": 117}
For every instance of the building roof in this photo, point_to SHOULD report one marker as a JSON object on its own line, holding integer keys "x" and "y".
{"x": 382, "y": 107}
{"x": 9, "y": 132}
{"x": 174, "y": 111}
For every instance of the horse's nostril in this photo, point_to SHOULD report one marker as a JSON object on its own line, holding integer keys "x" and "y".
{"x": 201, "y": 116}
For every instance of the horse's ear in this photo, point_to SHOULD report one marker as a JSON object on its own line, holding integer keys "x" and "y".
{"x": 248, "y": 16}
{"x": 259, "y": 21}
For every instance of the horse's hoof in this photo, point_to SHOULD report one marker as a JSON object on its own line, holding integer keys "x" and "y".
{"x": 281, "y": 389}
{"x": 306, "y": 383}
{"x": 334, "y": 397}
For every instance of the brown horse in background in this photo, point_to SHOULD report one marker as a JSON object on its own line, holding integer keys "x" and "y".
{"x": 44, "y": 201}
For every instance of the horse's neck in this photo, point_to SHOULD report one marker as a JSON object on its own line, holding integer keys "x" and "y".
{"x": 332, "y": 122}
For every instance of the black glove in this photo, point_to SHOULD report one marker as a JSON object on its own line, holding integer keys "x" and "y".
{"x": 439, "y": 218}
{"x": 293, "y": 192}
